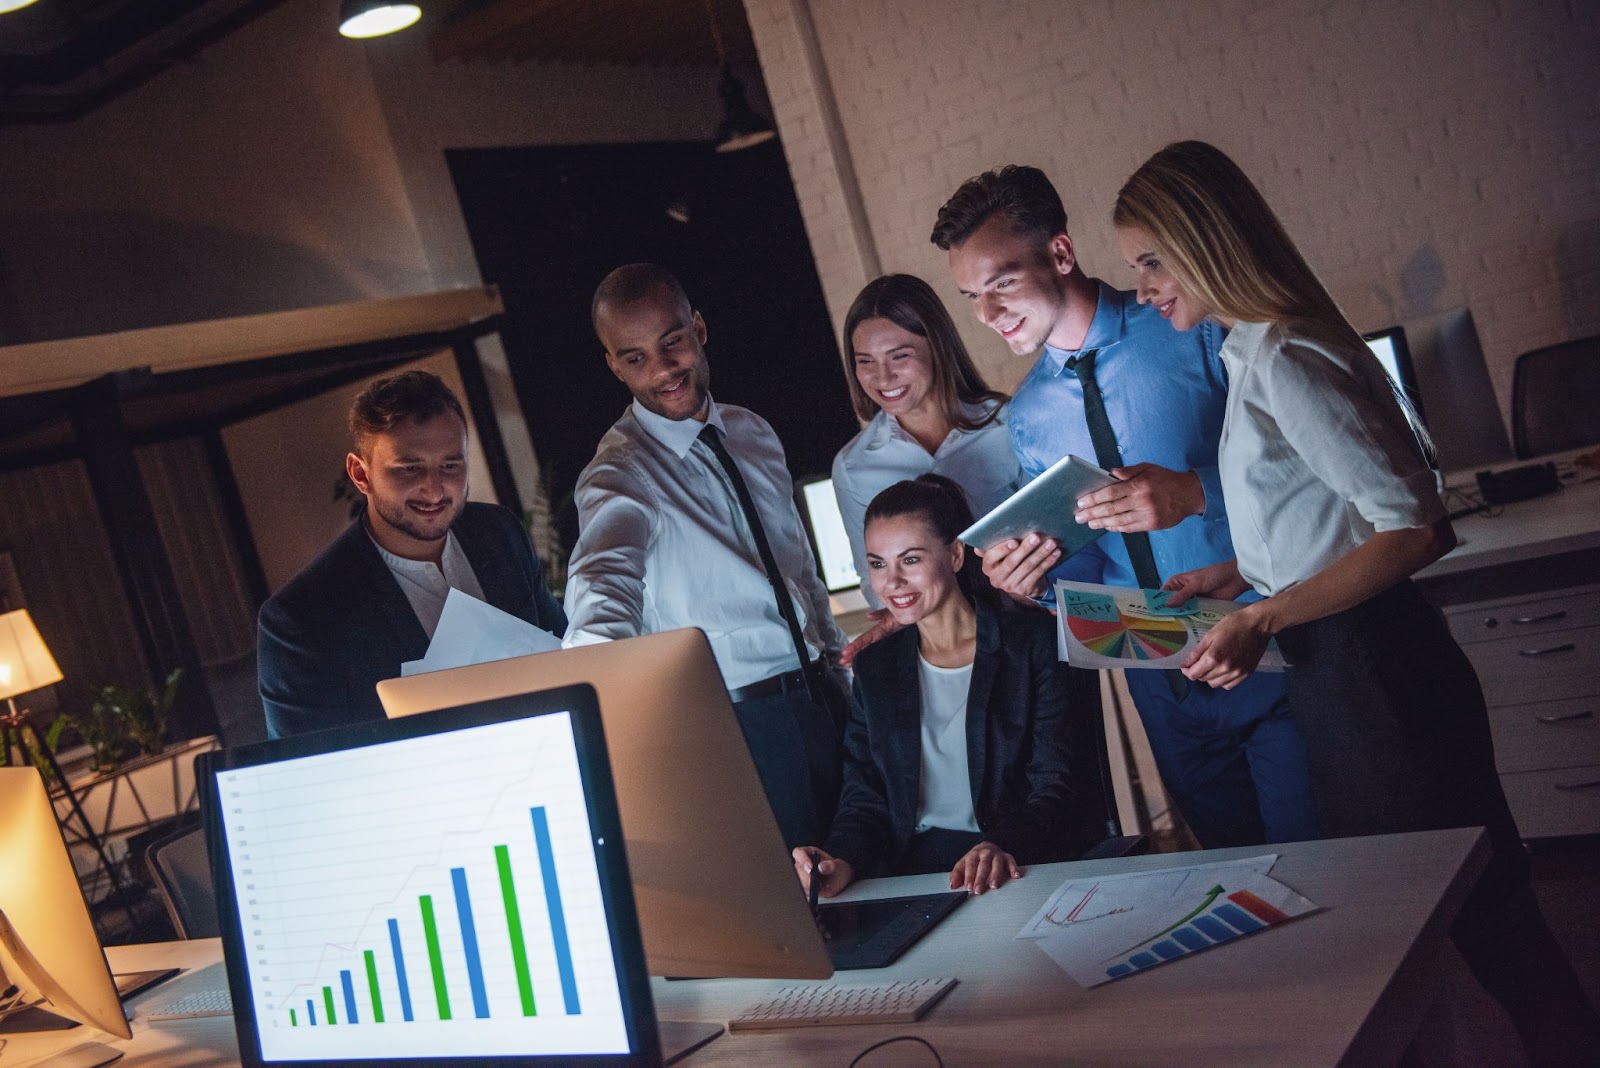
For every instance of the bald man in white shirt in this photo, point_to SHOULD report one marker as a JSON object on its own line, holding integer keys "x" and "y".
{"x": 667, "y": 539}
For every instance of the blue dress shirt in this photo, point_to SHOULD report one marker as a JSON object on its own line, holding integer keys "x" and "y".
{"x": 1165, "y": 395}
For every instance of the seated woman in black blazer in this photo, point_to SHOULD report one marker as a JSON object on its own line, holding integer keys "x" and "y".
{"x": 956, "y": 753}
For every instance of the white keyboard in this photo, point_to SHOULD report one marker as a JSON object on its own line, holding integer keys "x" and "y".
{"x": 902, "y": 1001}
{"x": 199, "y": 1003}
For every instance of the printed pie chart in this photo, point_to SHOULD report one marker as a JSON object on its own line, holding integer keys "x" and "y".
{"x": 1129, "y": 637}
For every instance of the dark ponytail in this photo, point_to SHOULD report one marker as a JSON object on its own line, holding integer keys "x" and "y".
{"x": 942, "y": 504}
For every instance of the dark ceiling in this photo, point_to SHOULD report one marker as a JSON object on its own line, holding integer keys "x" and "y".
{"x": 61, "y": 59}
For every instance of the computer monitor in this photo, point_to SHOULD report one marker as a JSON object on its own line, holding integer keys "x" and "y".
{"x": 1389, "y": 346}
{"x": 450, "y": 889}
{"x": 48, "y": 945}
{"x": 714, "y": 884}
{"x": 820, "y": 508}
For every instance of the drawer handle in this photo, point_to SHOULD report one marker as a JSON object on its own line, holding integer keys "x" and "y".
{"x": 1585, "y": 714}
{"x": 1568, "y": 717}
{"x": 1548, "y": 617}
{"x": 1573, "y": 786}
{"x": 1563, "y": 648}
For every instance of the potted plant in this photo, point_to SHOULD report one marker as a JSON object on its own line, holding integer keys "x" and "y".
{"x": 120, "y": 722}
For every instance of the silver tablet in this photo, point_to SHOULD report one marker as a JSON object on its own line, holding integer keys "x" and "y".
{"x": 1045, "y": 505}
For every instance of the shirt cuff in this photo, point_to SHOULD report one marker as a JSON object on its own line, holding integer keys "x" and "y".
{"x": 1211, "y": 485}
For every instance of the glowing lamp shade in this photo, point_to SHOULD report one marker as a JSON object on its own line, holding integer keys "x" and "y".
{"x": 13, "y": 5}
{"x": 372, "y": 18}
{"x": 25, "y": 661}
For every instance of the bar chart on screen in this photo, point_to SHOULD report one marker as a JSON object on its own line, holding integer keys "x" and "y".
{"x": 446, "y": 896}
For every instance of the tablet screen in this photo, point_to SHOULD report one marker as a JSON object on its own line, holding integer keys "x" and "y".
{"x": 431, "y": 896}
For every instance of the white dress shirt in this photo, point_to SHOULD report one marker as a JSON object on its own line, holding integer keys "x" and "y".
{"x": 426, "y": 584}
{"x": 663, "y": 544}
{"x": 980, "y": 461}
{"x": 1316, "y": 455}
{"x": 945, "y": 796}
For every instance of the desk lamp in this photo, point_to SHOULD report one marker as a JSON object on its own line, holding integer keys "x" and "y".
{"x": 26, "y": 665}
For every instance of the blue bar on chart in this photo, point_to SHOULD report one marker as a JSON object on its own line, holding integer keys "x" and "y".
{"x": 400, "y": 969}
{"x": 349, "y": 997}
{"x": 1215, "y": 929}
{"x": 469, "y": 943}
{"x": 311, "y": 1012}
{"x": 1238, "y": 917}
{"x": 558, "y": 920}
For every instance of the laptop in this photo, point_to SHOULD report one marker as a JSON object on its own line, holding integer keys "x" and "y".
{"x": 688, "y": 788}
{"x": 446, "y": 889}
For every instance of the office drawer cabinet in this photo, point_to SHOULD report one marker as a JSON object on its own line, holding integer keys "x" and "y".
{"x": 1546, "y": 734}
{"x": 1550, "y": 804}
{"x": 1524, "y": 616}
{"x": 1538, "y": 657}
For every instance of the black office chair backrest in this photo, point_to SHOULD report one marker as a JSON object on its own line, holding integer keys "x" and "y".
{"x": 1555, "y": 398}
{"x": 1091, "y": 770}
{"x": 182, "y": 873}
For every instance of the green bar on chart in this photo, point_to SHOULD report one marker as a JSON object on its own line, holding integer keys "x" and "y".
{"x": 431, "y": 929}
{"x": 372, "y": 985}
{"x": 292, "y": 1021}
{"x": 519, "y": 951}
{"x": 327, "y": 1003}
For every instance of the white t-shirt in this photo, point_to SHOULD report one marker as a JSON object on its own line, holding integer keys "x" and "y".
{"x": 945, "y": 796}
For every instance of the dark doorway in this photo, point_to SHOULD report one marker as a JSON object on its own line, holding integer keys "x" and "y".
{"x": 548, "y": 223}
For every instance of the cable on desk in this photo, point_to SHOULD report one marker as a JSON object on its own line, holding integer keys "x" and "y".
{"x": 938, "y": 1060}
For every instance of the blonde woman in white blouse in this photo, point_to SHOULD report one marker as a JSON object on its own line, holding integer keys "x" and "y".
{"x": 1333, "y": 508}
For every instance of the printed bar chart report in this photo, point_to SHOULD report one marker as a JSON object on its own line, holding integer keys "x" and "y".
{"x": 456, "y": 891}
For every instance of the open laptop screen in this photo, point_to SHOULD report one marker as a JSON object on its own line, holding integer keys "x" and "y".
{"x": 431, "y": 890}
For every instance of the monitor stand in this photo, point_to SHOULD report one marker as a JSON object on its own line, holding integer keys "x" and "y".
{"x": 679, "y": 1038}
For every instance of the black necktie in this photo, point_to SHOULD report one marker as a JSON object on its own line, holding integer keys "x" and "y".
{"x": 1108, "y": 455}
{"x": 713, "y": 441}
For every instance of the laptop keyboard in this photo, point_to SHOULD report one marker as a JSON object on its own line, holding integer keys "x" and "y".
{"x": 901, "y": 1001}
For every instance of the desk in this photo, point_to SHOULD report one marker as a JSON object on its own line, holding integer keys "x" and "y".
{"x": 1345, "y": 984}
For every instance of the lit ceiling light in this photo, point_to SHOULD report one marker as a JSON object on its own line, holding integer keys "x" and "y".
{"x": 13, "y": 5}
{"x": 372, "y": 18}
{"x": 742, "y": 126}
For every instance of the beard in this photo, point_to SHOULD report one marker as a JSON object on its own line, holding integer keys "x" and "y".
{"x": 396, "y": 515}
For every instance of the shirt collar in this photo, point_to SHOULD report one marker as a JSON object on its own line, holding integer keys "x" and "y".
{"x": 678, "y": 434}
{"x": 1106, "y": 329}
{"x": 414, "y": 567}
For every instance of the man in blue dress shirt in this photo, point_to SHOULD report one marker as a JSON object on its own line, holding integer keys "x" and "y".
{"x": 1232, "y": 760}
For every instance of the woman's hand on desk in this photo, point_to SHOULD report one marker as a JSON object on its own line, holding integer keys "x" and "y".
{"x": 836, "y": 874}
{"x": 985, "y": 867}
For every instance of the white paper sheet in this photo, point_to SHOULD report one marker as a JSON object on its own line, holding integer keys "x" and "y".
{"x": 1098, "y": 930}
{"x": 473, "y": 632}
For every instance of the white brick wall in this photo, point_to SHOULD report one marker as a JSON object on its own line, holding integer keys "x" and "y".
{"x": 1424, "y": 153}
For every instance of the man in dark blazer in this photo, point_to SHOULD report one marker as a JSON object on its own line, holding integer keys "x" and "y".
{"x": 371, "y": 600}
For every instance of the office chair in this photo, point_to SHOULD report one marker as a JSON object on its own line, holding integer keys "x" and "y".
{"x": 181, "y": 871}
{"x": 1555, "y": 398}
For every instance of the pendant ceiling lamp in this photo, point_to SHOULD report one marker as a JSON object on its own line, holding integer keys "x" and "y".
{"x": 13, "y": 5}
{"x": 372, "y": 18}
{"x": 741, "y": 126}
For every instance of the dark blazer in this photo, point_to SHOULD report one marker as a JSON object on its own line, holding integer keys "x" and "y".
{"x": 343, "y": 624}
{"x": 1024, "y": 792}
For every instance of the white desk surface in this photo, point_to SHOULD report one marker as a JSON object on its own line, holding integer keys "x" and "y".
{"x": 1345, "y": 984}
{"x": 1559, "y": 522}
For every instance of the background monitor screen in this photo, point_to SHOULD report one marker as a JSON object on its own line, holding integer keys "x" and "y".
{"x": 1389, "y": 346}
{"x": 435, "y": 895}
{"x": 838, "y": 563}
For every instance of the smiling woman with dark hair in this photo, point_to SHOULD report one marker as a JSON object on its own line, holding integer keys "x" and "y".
{"x": 956, "y": 751}
{"x": 925, "y": 406}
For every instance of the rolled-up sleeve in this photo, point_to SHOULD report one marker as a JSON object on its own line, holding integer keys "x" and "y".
{"x": 1355, "y": 443}
{"x": 606, "y": 578}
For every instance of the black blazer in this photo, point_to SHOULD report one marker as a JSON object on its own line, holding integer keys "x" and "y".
{"x": 1024, "y": 792}
{"x": 343, "y": 624}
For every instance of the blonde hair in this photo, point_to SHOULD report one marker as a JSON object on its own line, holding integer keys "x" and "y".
{"x": 1216, "y": 234}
